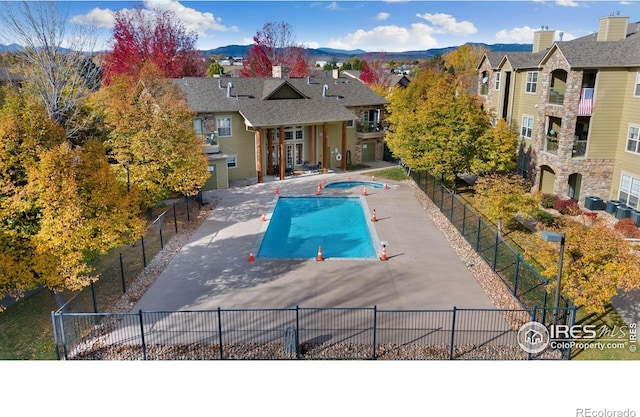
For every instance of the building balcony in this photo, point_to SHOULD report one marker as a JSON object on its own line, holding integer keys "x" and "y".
{"x": 556, "y": 97}
{"x": 211, "y": 144}
{"x": 551, "y": 144}
{"x": 369, "y": 130}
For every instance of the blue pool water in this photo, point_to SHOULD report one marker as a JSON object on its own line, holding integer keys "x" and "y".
{"x": 299, "y": 225}
{"x": 351, "y": 184}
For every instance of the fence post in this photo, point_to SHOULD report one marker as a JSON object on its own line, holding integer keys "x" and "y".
{"x": 297, "y": 332}
{"x": 93, "y": 298}
{"x": 144, "y": 255}
{"x": 186, "y": 199}
{"x": 161, "y": 243}
{"x": 375, "y": 324}
{"x": 453, "y": 195}
{"x": 533, "y": 318}
{"x": 55, "y": 334}
{"x": 453, "y": 333}
{"x": 220, "y": 333}
{"x": 63, "y": 336}
{"x": 544, "y": 308}
{"x": 495, "y": 251}
{"x": 441, "y": 197}
{"x": 573, "y": 321}
{"x": 144, "y": 347}
{"x": 175, "y": 218}
{"x": 478, "y": 235}
{"x": 124, "y": 285}
{"x": 464, "y": 218}
{"x": 515, "y": 277}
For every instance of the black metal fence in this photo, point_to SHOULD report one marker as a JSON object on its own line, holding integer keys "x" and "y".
{"x": 121, "y": 266}
{"x": 521, "y": 278}
{"x": 298, "y": 333}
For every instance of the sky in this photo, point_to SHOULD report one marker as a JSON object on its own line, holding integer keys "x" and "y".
{"x": 373, "y": 26}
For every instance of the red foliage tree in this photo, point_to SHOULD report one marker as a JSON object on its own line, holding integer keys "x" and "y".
{"x": 274, "y": 45}
{"x": 156, "y": 36}
{"x": 373, "y": 73}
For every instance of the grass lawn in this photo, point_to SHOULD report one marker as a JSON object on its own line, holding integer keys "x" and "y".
{"x": 394, "y": 174}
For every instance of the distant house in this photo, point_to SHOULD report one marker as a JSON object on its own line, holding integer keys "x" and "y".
{"x": 254, "y": 127}
{"x": 576, "y": 106}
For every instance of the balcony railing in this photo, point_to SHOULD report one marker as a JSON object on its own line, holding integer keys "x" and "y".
{"x": 211, "y": 143}
{"x": 369, "y": 130}
{"x": 551, "y": 144}
{"x": 556, "y": 97}
{"x": 579, "y": 148}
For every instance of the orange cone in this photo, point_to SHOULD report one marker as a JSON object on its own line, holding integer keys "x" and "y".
{"x": 319, "y": 257}
{"x": 373, "y": 217}
{"x": 251, "y": 258}
{"x": 386, "y": 186}
{"x": 364, "y": 190}
{"x": 319, "y": 188}
{"x": 373, "y": 178}
{"x": 383, "y": 256}
{"x": 349, "y": 177}
{"x": 264, "y": 218}
{"x": 277, "y": 191}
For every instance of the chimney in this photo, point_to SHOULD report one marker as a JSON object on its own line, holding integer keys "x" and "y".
{"x": 336, "y": 73}
{"x": 542, "y": 39}
{"x": 613, "y": 28}
{"x": 276, "y": 71}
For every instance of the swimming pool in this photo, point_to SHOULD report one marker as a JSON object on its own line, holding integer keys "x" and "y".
{"x": 351, "y": 184}
{"x": 299, "y": 225}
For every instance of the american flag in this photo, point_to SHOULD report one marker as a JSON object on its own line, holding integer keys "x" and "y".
{"x": 585, "y": 106}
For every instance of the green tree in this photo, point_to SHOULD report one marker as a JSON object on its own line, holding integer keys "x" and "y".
{"x": 214, "y": 69}
{"x": 501, "y": 197}
{"x": 152, "y": 138}
{"x": 436, "y": 125}
{"x": 598, "y": 264}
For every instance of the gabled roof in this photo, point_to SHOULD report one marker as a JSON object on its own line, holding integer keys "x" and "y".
{"x": 267, "y": 102}
{"x": 588, "y": 52}
{"x": 493, "y": 58}
{"x": 523, "y": 60}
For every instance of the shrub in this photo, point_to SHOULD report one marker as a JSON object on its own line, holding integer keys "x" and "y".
{"x": 567, "y": 206}
{"x": 627, "y": 228}
{"x": 548, "y": 200}
{"x": 544, "y": 217}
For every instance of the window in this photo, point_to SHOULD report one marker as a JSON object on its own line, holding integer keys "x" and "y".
{"x": 349, "y": 123}
{"x": 198, "y": 126}
{"x": 497, "y": 81}
{"x": 372, "y": 116}
{"x": 223, "y": 123}
{"x": 527, "y": 127}
{"x": 629, "y": 191}
{"x": 232, "y": 161}
{"x": 532, "y": 82}
{"x": 637, "y": 92}
{"x": 633, "y": 144}
{"x": 291, "y": 133}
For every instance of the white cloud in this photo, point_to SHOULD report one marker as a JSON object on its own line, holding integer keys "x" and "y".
{"x": 102, "y": 18}
{"x": 333, "y": 6}
{"x": 388, "y": 38}
{"x": 311, "y": 45}
{"x": 567, "y": 3}
{"x": 515, "y": 35}
{"x": 382, "y": 16}
{"x": 447, "y": 24}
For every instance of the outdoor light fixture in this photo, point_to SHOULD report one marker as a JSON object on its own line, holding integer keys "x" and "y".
{"x": 549, "y": 236}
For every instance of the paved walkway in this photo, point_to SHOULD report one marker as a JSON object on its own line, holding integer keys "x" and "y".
{"x": 212, "y": 269}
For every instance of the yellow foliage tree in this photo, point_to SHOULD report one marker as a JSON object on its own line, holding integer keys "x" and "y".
{"x": 598, "y": 264}
{"x": 501, "y": 197}
{"x": 152, "y": 137}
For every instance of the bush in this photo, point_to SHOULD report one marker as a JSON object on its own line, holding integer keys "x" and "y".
{"x": 544, "y": 217}
{"x": 548, "y": 200}
{"x": 627, "y": 228}
{"x": 567, "y": 206}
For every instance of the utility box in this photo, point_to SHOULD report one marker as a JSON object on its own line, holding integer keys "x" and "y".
{"x": 623, "y": 212}
{"x": 593, "y": 203}
{"x": 635, "y": 216}
{"x": 612, "y": 206}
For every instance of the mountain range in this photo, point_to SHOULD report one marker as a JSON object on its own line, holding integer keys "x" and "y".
{"x": 340, "y": 55}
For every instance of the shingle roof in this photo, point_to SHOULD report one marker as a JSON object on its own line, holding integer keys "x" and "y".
{"x": 251, "y": 97}
{"x": 7, "y": 76}
{"x": 523, "y": 60}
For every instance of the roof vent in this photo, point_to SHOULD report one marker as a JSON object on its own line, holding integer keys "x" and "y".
{"x": 219, "y": 84}
{"x": 229, "y": 87}
{"x": 308, "y": 80}
{"x": 561, "y": 34}
{"x": 324, "y": 90}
